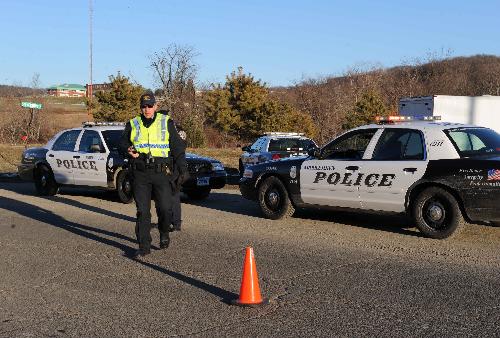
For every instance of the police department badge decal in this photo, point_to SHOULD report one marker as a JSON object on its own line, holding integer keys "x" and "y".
{"x": 293, "y": 171}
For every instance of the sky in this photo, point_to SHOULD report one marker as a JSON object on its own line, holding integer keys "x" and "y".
{"x": 278, "y": 42}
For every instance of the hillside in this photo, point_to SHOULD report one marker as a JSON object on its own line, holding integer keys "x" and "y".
{"x": 329, "y": 100}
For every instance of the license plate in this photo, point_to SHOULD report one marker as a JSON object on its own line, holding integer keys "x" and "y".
{"x": 202, "y": 181}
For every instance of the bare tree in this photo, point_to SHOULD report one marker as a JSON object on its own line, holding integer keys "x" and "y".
{"x": 175, "y": 73}
{"x": 35, "y": 82}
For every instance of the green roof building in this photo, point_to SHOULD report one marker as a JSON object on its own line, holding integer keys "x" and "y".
{"x": 68, "y": 90}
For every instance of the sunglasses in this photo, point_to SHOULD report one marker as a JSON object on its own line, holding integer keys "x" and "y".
{"x": 147, "y": 106}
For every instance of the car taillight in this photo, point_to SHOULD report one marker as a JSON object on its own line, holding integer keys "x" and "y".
{"x": 276, "y": 156}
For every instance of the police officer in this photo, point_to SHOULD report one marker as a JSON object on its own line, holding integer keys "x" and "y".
{"x": 155, "y": 149}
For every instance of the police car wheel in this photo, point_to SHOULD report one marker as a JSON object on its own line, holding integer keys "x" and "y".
{"x": 198, "y": 194}
{"x": 45, "y": 183}
{"x": 273, "y": 199}
{"x": 437, "y": 213}
{"x": 124, "y": 187}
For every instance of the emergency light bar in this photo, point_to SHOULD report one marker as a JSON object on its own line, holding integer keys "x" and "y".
{"x": 399, "y": 118}
{"x": 277, "y": 133}
{"x": 96, "y": 124}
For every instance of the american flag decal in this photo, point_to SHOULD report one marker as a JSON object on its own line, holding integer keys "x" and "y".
{"x": 494, "y": 175}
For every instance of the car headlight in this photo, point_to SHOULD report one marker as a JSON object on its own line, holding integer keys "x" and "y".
{"x": 248, "y": 173}
{"x": 29, "y": 156}
{"x": 217, "y": 166}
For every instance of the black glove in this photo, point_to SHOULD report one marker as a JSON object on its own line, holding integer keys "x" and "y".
{"x": 183, "y": 177}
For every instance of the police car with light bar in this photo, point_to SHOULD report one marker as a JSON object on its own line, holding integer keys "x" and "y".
{"x": 88, "y": 156}
{"x": 439, "y": 174}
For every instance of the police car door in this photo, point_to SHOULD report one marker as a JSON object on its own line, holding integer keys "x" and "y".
{"x": 60, "y": 155}
{"x": 91, "y": 160}
{"x": 333, "y": 179}
{"x": 397, "y": 162}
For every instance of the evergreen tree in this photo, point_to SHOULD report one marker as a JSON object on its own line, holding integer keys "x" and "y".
{"x": 366, "y": 109}
{"x": 121, "y": 103}
{"x": 193, "y": 127}
{"x": 244, "y": 108}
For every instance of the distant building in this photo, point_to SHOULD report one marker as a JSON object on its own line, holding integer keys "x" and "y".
{"x": 67, "y": 90}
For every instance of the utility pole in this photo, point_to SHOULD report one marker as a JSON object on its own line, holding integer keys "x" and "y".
{"x": 89, "y": 87}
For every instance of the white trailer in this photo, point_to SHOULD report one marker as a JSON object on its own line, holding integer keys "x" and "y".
{"x": 478, "y": 110}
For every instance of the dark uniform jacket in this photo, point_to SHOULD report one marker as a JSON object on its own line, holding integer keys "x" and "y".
{"x": 177, "y": 157}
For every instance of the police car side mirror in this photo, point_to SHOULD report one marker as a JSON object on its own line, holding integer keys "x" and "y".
{"x": 95, "y": 148}
{"x": 314, "y": 151}
{"x": 245, "y": 148}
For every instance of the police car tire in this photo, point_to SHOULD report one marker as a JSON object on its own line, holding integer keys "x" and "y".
{"x": 121, "y": 181}
{"x": 451, "y": 221}
{"x": 198, "y": 194}
{"x": 45, "y": 182}
{"x": 283, "y": 207}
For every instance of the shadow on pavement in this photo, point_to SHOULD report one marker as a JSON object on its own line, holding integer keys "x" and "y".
{"x": 48, "y": 217}
{"x": 235, "y": 203}
{"x": 92, "y": 208}
{"x": 26, "y": 189}
{"x": 226, "y": 296}
{"x": 395, "y": 223}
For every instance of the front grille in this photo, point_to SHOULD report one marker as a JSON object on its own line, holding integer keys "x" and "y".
{"x": 199, "y": 167}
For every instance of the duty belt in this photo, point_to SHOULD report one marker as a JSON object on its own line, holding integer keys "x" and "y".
{"x": 155, "y": 160}
{"x": 159, "y": 167}
{"x": 156, "y": 166}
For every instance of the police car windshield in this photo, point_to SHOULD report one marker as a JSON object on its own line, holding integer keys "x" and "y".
{"x": 474, "y": 142}
{"x": 112, "y": 138}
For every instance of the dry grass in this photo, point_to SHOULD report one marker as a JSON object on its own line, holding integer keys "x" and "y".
{"x": 228, "y": 156}
{"x": 10, "y": 156}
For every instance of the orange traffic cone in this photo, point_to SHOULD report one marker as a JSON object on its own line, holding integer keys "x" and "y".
{"x": 249, "y": 291}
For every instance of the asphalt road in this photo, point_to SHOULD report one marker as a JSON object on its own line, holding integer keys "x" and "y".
{"x": 64, "y": 271}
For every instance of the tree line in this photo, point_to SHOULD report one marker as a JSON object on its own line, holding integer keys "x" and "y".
{"x": 242, "y": 108}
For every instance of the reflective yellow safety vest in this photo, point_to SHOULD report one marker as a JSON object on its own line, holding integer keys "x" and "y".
{"x": 153, "y": 139}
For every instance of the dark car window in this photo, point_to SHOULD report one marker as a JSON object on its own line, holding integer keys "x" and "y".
{"x": 289, "y": 144}
{"x": 89, "y": 138}
{"x": 112, "y": 138}
{"x": 399, "y": 144}
{"x": 472, "y": 142}
{"x": 350, "y": 146}
{"x": 66, "y": 141}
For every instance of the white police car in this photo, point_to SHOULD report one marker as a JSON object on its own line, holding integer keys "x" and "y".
{"x": 89, "y": 156}
{"x": 437, "y": 173}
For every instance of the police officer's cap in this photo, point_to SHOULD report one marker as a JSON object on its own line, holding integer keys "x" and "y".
{"x": 147, "y": 99}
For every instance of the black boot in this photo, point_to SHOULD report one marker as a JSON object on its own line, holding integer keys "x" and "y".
{"x": 164, "y": 241}
{"x": 141, "y": 253}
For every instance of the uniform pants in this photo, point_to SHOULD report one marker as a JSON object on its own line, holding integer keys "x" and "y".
{"x": 176, "y": 209}
{"x": 146, "y": 183}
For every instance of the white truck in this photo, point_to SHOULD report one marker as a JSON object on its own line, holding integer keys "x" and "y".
{"x": 478, "y": 110}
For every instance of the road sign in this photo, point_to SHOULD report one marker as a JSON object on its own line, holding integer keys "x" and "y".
{"x": 31, "y": 105}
